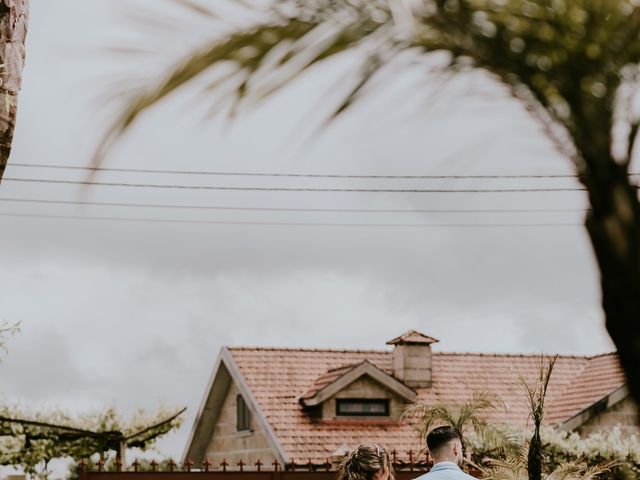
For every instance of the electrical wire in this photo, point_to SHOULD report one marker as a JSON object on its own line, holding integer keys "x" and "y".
{"x": 284, "y": 209}
{"x": 296, "y": 189}
{"x": 286, "y": 224}
{"x": 294, "y": 175}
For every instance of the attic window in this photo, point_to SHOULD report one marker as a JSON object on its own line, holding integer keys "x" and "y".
{"x": 366, "y": 407}
{"x": 243, "y": 414}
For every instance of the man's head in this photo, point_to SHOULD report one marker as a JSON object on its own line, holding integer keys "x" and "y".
{"x": 445, "y": 445}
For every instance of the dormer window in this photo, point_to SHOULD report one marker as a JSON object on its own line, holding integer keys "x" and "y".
{"x": 364, "y": 407}
{"x": 360, "y": 391}
{"x": 243, "y": 415}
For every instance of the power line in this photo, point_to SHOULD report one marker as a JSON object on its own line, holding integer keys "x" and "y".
{"x": 285, "y": 209}
{"x": 297, "y": 189}
{"x": 289, "y": 224}
{"x": 293, "y": 175}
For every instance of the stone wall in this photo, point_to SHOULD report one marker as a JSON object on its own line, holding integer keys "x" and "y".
{"x": 623, "y": 414}
{"x": 364, "y": 387}
{"x": 229, "y": 444}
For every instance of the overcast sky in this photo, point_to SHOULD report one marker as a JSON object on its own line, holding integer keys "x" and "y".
{"x": 134, "y": 314}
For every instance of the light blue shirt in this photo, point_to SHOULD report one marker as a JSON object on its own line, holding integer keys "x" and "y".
{"x": 445, "y": 471}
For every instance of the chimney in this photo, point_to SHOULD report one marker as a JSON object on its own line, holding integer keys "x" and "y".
{"x": 412, "y": 358}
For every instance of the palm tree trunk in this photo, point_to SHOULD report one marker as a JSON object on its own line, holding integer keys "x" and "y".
{"x": 614, "y": 228}
{"x": 534, "y": 456}
{"x": 14, "y": 16}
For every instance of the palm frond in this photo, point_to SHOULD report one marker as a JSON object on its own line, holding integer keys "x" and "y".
{"x": 499, "y": 440}
{"x": 535, "y": 51}
{"x": 197, "y": 8}
{"x": 597, "y": 470}
{"x": 475, "y": 410}
{"x": 426, "y": 416}
{"x": 566, "y": 471}
{"x": 486, "y": 400}
{"x": 511, "y": 468}
{"x": 243, "y": 50}
{"x": 256, "y": 55}
{"x": 535, "y": 389}
{"x": 578, "y": 471}
{"x": 536, "y": 392}
{"x": 471, "y": 415}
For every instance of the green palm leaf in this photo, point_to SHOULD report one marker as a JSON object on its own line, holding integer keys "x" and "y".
{"x": 573, "y": 64}
{"x": 530, "y": 46}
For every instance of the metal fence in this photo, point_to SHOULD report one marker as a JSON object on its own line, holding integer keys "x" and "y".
{"x": 228, "y": 475}
{"x": 407, "y": 469}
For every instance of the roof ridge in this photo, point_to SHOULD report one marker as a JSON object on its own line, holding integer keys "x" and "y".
{"x": 379, "y": 351}
{"x": 303, "y": 349}
{"x": 519, "y": 355}
{"x": 600, "y": 355}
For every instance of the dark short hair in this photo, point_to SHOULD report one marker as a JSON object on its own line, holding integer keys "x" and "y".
{"x": 441, "y": 436}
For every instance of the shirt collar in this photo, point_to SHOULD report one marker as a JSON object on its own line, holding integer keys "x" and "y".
{"x": 444, "y": 466}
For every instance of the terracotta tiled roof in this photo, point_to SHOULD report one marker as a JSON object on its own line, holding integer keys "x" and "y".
{"x": 600, "y": 377}
{"x": 278, "y": 378}
{"x": 326, "y": 378}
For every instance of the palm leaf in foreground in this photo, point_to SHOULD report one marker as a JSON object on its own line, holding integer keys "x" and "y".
{"x": 261, "y": 59}
{"x": 556, "y": 53}
{"x": 515, "y": 468}
{"x": 573, "y": 64}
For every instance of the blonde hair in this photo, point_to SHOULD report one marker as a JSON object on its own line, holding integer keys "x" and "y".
{"x": 365, "y": 462}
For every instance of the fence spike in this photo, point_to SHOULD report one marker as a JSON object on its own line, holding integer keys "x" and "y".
{"x": 310, "y": 465}
{"x": 171, "y": 464}
{"x": 135, "y": 465}
{"x": 206, "y": 464}
{"x": 154, "y": 465}
{"x": 327, "y": 465}
{"x": 100, "y": 465}
{"x": 258, "y": 465}
{"x": 394, "y": 456}
{"x": 410, "y": 460}
{"x": 83, "y": 465}
{"x": 276, "y": 465}
{"x": 241, "y": 464}
{"x": 118, "y": 465}
{"x": 188, "y": 464}
{"x": 224, "y": 464}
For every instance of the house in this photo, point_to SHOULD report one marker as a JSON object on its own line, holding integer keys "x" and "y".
{"x": 306, "y": 405}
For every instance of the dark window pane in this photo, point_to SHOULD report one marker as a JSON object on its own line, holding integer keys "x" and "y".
{"x": 243, "y": 415}
{"x": 363, "y": 407}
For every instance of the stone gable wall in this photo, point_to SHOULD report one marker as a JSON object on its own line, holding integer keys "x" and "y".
{"x": 623, "y": 414}
{"x": 229, "y": 444}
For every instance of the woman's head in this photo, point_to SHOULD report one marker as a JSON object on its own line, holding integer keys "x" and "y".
{"x": 367, "y": 461}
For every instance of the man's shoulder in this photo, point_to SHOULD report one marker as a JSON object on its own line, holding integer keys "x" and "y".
{"x": 447, "y": 474}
